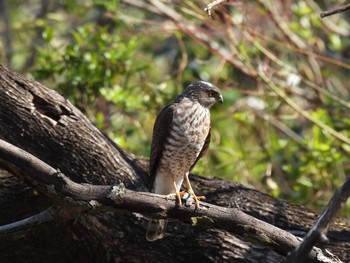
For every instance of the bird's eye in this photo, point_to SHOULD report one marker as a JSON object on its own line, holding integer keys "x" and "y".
{"x": 211, "y": 93}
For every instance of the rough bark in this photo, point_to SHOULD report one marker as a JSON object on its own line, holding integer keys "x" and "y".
{"x": 43, "y": 123}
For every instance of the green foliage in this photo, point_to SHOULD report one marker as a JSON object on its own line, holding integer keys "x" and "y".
{"x": 95, "y": 61}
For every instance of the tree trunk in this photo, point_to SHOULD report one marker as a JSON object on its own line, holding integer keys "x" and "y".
{"x": 43, "y": 123}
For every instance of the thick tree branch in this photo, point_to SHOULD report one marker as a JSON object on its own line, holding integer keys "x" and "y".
{"x": 43, "y": 112}
{"x": 117, "y": 197}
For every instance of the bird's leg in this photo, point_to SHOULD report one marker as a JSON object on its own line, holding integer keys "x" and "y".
{"x": 190, "y": 190}
{"x": 177, "y": 194}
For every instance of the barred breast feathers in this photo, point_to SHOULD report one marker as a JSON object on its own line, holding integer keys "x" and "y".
{"x": 189, "y": 129}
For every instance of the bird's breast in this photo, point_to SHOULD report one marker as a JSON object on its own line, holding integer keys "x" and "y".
{"x": 187, "y": 135}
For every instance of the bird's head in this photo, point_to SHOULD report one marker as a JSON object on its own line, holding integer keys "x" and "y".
{"x": 205, "y": 93}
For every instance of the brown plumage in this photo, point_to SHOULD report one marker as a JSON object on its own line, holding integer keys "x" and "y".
{"x": 181, "y": 136}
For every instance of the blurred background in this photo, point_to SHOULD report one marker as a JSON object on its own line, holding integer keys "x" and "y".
{"x": 284, "y": 127}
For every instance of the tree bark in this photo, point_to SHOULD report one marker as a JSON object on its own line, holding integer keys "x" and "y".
{"x": 43, "y": 123}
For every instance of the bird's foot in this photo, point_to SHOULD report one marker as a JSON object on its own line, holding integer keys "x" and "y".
{"x": 192, "y": 197}
{"x": 178, "y": 196}
{"x": 187, "y": 198}
{"x": 191, "y": 192}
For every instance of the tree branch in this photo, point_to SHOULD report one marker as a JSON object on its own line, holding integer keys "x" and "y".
{"x": 212, "y": 5}
{"x": 335, "y": 11}
{"x": 48, "y": 215}
{"x": 96, "y": 197}
{"x": 318, "y": 231}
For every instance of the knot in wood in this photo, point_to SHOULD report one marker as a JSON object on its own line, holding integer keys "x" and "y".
{"x": 117, "y": 192}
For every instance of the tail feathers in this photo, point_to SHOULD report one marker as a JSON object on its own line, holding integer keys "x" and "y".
{"x": 156, "y": 229}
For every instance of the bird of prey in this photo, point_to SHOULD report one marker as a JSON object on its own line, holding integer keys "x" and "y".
{"x": 181, "y": 136}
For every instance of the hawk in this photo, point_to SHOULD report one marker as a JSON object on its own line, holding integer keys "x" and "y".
{"x": 181, "y": 136}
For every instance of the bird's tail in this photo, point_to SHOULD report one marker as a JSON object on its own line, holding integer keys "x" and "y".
{"x": 156, "y": 229}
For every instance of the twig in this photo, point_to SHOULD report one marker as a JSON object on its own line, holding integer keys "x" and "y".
{"x": 339, "y": 136}
{"x": 197, "y": 34}
{"x": 46, "y": 216}
{"x": 330, "y": 25}
{"x": 335, "y": 11}
{"x": 92, "y": 197}
{"x": 318, "y": 231}
{"x": 282, "y": 25}
{"x": 213, "y": 4}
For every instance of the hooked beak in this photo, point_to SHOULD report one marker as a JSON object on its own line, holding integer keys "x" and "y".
{"x": 220, "y": 99}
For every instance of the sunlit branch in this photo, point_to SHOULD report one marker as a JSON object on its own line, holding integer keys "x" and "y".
{"x": 81, "y": 198}
{"x": 319, "y": 230}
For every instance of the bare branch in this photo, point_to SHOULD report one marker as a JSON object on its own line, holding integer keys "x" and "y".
{"x": 49, "y": 214}
{"x": 319, "y": 230}
{"x": 335, "y": 11}
{"x": 96, "y": 197}
{"x": 329, "y": 24}
{"x": 213, "y": 4}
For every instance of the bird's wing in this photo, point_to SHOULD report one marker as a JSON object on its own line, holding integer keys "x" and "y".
{"x": 204, "y": 149}
{"x": 160, "y": 133}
